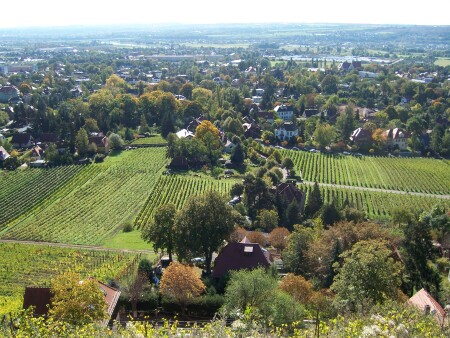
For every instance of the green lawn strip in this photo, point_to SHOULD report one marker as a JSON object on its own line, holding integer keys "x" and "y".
{"x": 127, "y": 240}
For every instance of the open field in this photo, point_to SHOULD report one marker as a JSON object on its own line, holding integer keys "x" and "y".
{"x": 35, "y": 265}
{"x": 154, "y": 139}
{"x": 443, "y": 62}
{"x": 92, "y": 205}
{"x": 405, "y": 174}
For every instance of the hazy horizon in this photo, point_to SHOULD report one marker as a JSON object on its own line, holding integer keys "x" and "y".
{"x": 53, "y": 13}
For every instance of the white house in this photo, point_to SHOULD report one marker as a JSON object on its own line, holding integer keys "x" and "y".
{"x": 397, "y": 137}
{"x": 183, "y": 133}
{"x": 286, "y": 131}
{"x": 284, "y": 112}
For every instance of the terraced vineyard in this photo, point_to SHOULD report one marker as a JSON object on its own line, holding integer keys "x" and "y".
{"x": 377, "y": 204}
{"x": 23, "y": 190}
{"x": 94, "y": 202}
{"x": 405, "y": 174}
{"x": 35, "y": 265}
{"x": 176, "y": 190}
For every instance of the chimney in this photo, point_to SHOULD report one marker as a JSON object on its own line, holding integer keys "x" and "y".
{"x": 427, "y": 309}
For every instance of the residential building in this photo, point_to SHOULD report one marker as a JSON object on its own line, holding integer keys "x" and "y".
{"x": 397, "y": 137}
{"x": 22, "y": 140}
{"x": 241, "y": 255}
{"x": 290, "y": 193}
{"x": 361, "y": 137}
{"x": 425, "y": 302}
{"x": 9, "y": 92}
{"x": 285, "y": 112}
{"x": 286, "y": 131}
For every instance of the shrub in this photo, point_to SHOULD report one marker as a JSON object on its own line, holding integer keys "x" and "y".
{"x": 127, "y": 227}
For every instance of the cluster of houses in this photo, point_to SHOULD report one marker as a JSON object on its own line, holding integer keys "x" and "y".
{"x": 396, "y": 138}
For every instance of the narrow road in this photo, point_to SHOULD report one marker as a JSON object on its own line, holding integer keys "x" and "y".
{"x": 379, "y": 190}
{"x": 76, "y": 246}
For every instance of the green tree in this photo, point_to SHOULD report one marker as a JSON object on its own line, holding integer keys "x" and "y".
{"x": 76, "y": 302}
{"x": 267, "y": 220}
{"x": 295, "y": 255}
{"x": 202, "y": 225}
{"x": 324, "y": 134}
{"x": 160, "y": 231}
{"x": 314, "y": 202}
{"x": 330, "y": 214}
{"x": 82, "y": 142}
{"x": 115, "y": 141}
{"x": 237, "y": 155}
{"x": 368, "y": 275}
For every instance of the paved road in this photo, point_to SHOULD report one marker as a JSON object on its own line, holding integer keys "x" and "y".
{"x": 380, "y": 190}
{"x": 76, "y": 246}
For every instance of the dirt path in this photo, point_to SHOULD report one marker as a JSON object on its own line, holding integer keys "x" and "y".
{"x": 380, "y": 190}
{"x": 76, "y": 246}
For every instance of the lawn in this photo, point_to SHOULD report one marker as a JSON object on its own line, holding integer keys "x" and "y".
{"x": 127, "y": 240}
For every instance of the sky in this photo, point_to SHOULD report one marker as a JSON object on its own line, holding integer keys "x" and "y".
{"x": 31, "y": 13}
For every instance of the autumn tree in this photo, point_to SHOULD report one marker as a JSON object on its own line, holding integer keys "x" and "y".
{"x": 298, "y": 287}
{"x": 278, "y": 238}
{"x": 202, "y": 225}
{"x": 209, "y": 135}
{"x": 256, "y": 237}
{"x": 181, "y": 283}
{"x": 160, "y": 231}
{"x": 76, "y": 302}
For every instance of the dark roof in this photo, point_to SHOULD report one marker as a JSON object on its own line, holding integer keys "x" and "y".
{"x": 290, "y": 192}
{"x": 360, "y": 135}
{"x": 39, "y": 298}
{"x": 310, "y": 112}
{"x": 49, "y": 138}
{"x": 100, "y": 141}
{"x": 21, "y": 138}
{"x": 288, "y": 126}
{"x": 179, "y": 162}
{"x": 265, "y": 115}
{"x": 238, "y": 256}
{"x": 9, "y": 90}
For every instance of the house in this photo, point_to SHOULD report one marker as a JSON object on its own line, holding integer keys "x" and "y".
{"x": 228, "y": 147}
{"x": 361, "y": 137}
{"x": 3, "y": 154}
{"x": 286, "y": 131}
{"x": 252, "y": 130}
{"x": 180, "y": 163}
{"x": 9, "y": 92}
{"x": 310, "y": 112}
{"x": 192, "y": 126}
{"x": 250, "y": 71}
{"x": 425, "y": 302}
{"x": 397, "y": 137}
{"x": 37, "y": 152}
{"x": 184, "y": 133}
{"x": 40, "y": 299}
{"x": 22, "y": 140}
{"x": 47, "y": 138}
{"x": 347, "y": 66}
{"x": 241, "y": 255}
{"x": 100, "y": 140}
{"x": 265, "y": 115}
{"x": 290, "y": 193}
{"x": 284, "y": 112}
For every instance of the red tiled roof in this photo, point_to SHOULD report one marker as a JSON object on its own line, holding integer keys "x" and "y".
{"x": 422, "y": 298}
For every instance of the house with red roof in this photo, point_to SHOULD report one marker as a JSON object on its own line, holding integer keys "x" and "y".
{"x": 425, "y": 302}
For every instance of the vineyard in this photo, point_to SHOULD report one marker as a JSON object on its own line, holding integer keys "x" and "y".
{"x": 95, "y": 202}
{"x": 405, "y": 174}
{"x": 23, "y": 190}
{"x": 377, "y": 204}
{"x": 35, "y": 265}
{"x": 177, "y": 190}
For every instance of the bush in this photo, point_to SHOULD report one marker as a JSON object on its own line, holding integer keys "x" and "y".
{"x": 127, "y": 227}
{"x": 99, "y": 158}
